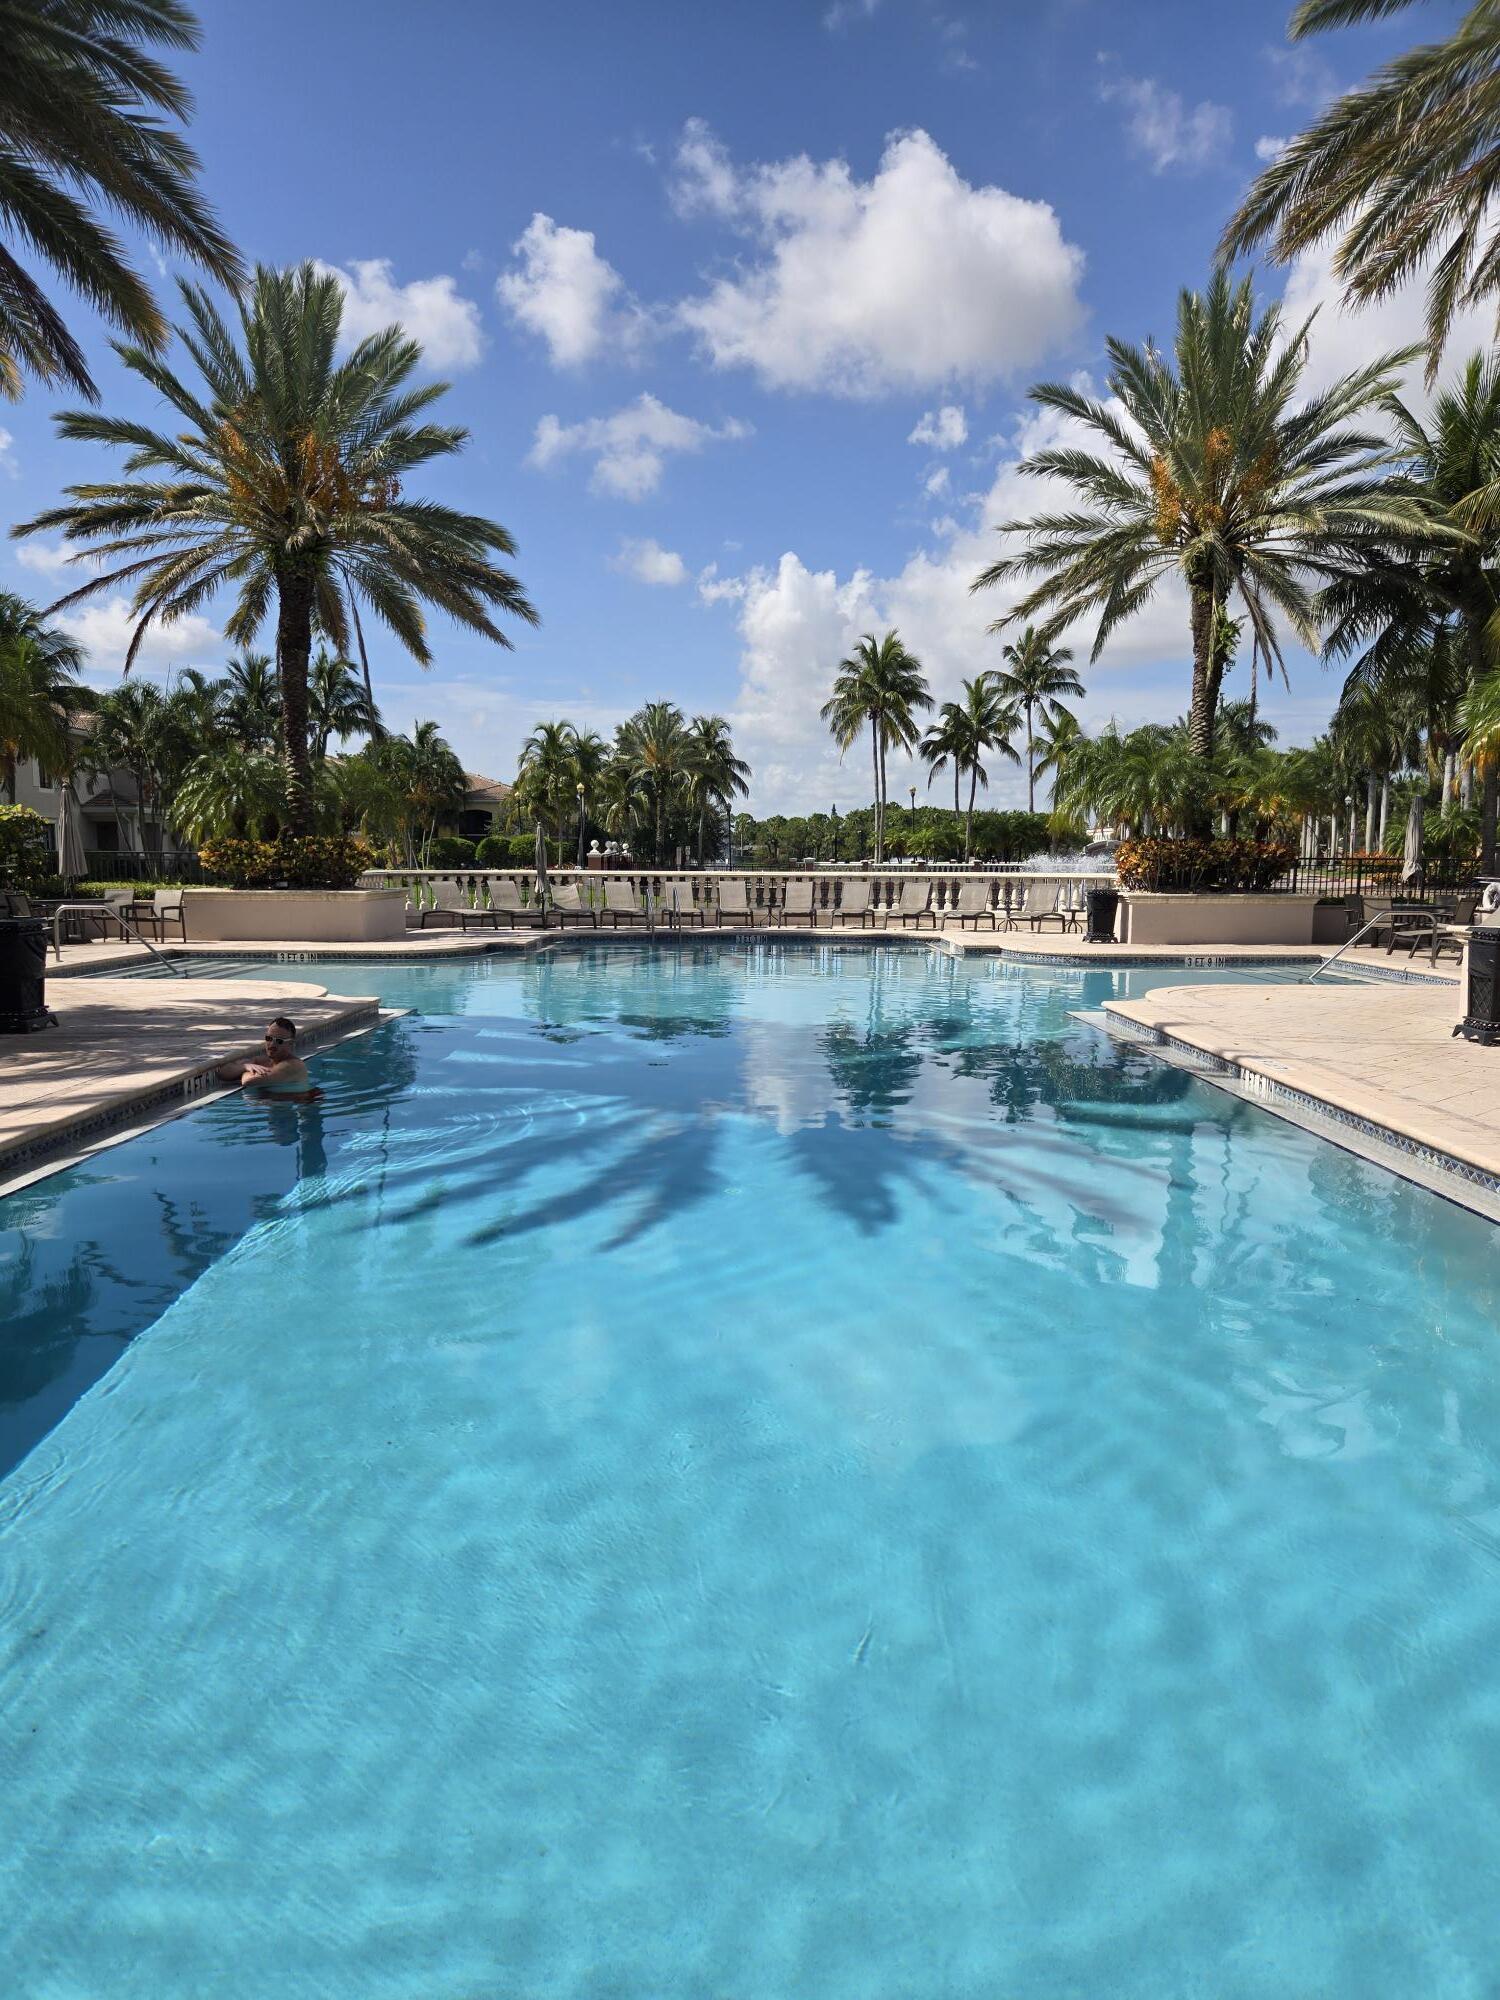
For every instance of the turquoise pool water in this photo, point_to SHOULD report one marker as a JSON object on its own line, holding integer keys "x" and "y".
{"x": 746, "y": 1474}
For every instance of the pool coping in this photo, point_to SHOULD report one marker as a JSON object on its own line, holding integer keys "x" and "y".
{"x": 129, "y": 1115}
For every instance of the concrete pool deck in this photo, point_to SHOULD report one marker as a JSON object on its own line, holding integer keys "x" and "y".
{"x": 1380, "y": 1058}
{"x": 126, "y": 1048}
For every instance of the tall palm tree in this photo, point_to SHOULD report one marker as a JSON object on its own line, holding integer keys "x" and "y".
{"x": 38, "y": 687}
{"x": 228, "y": 790}
{"x": 1404, "y": 171}
{"x": 285, "y": 483}
{"x": 136, "y": 730}
{"x": 1036, "y": 676}
{"x": 80, "y": 90}
{"x": 716, "y": 776}
{"x": 546, "y": 780}
{"x": 1220, "y": 476}
{"x": 879, "y": 687}
{"x": 1058, "y": 735}
{"x": 981, "y": 721}
{"x": 940, "y": 746}
{"x": 337, "y": 703}
{"x": 620, "y": 799}
{"x": 1385, "y": 612}
{"x": 654, "y": 742}
{"x": 428, "y": 782}
{"x": 590, "y": 755}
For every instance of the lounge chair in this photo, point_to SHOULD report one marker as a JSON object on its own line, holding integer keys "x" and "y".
{"x": 914, "y": 905}
{"x": 1452, "y": 930}
{"x": 798, "y": 900}
{"x": 507, "y": 908}
{"x": 622, "y": 905}
{"x": 973, "y": 903}
{"x": 570, "y": 907}
{"x": 1052, "y": 912}
{"x": 450, "y": 906}
{"x": 678, "y": 907}
{"x": 854, "y": 902}
{"x": 735, "y": 906}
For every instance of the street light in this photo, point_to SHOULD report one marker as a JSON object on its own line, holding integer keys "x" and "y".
{"x": 913, "y": 791}
{"x": 834, "y": 837}
{"x": 579, "y": 789}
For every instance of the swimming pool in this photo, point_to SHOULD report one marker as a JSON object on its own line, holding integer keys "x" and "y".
{"x": 743, "y": 1472}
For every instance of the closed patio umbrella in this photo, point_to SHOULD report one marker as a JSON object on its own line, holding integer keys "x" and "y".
{"x": 542, "y": 889}
{"x": 1411, "y": 853}
{"x": 71, "y": 861}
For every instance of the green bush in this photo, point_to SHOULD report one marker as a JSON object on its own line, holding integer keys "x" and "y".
{"x": 449, "y": 850}
{"x": 28, "y": 852}
{"x": 1164, "y": 862}
{"x": 506, "y": 850}
{"x": 321, "y": 861}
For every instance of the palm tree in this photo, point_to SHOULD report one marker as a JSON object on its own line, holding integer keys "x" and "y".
{"x": 228, "y": 790}
{"x": 654, "y": 742}
{"x": 878, "y": 687}
{"x": 337, "y": 704}
{"x": 939, "y": 747}
{"x": 1219, "y": 476}
{"x": 716, "y": 777}
{"x": 1059, "y": 735}
{"x": 38, "y": 665}
{"x": 427, "y": 781}
{"x": 546, "y": 776}
{"x": 286, "y": 484}
{"x": 620, "y": 799}
{"x": 250, "y": 701}
{"x": 136, "y": 730}
{"x": 981, "y": 721}
{"x": 590, "y": 755}
{"x": 1404, "y": 171}
{"x": 1035, "y": 678}
{"x": 1387, "y": 612}
{"x": 79, "y": 94}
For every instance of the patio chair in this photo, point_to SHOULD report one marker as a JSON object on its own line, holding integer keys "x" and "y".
{"x": 734, "y": 902}
{"x": 506, "y": 908}
{"x": 1453, "y": 931}
{"x": 914, "y": 905}
{"x": 569, "y": 906}
{"x": 622, "y": 905}
{"x": 798, "y": 900}
{"x": 973, "y": 903}
{"x": 679, "y": 908}
{"x": 170, "y": 910}
{"x": 1052, "y": 912}
{"x": 854, "y": 902}
{"x": 450, "y": 906}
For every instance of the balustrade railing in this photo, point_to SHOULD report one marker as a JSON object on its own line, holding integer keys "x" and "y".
{"x": 1011, "y": 892}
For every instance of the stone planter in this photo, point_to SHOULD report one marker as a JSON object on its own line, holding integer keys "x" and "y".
{"x": 294, "y": 916}
{"x": 1188, "y": 919}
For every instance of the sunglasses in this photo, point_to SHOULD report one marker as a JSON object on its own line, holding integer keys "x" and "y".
{"x": 278, "y": 1041}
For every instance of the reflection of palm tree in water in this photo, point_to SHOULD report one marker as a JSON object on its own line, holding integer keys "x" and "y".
{"x": 874, "y": 1069}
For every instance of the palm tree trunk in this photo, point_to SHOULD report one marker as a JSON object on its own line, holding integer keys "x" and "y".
{"x": 1030, "y": 767}
{"x": 293, "y": 647}
{"x": 879, "y": 817}
{"x": 1489, "y": 800}
{"x": 1205, "y": 692}
{"x": 1372, "y": 788}
{"x": 10, "y": 777}
{"x": 956, "y": 806}
{"x": 1385, "y": 807}
{"x": 702, "y": 814}
{"x": 969, "y": 815}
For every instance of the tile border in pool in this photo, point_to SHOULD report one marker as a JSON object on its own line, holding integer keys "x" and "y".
{"x": 1442, "y": 1172}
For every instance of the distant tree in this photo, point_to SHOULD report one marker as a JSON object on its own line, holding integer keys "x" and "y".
{"x": 38, "y": 687}
{"x": 878, "y": 687}
{"x": 337, "y": 703}
{"x": 716, "y": 777}
{"x": 1035, "y": 677}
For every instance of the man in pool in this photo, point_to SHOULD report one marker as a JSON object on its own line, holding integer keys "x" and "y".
{"x": 282, "y": 1072}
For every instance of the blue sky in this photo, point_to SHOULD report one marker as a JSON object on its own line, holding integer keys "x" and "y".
{"x": 740, "y": 305}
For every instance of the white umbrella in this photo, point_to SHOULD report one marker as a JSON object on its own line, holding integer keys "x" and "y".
{"x": 71, "y": 861}
{"x": 1411, "y": 854}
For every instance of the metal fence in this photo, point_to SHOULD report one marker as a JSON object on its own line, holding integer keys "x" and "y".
{"x": 115, "y": 866}
{"x": 1356, "y": 875}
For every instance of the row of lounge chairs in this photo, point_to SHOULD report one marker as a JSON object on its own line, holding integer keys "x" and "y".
{"x": 1440, "y": 927}
{"x": 732, "y": 906}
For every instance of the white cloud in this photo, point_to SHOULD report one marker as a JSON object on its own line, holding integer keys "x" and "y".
{"x": 8, "y": 461}
{"x": 1302, "y": 77}
{"x": 1268, "y": 147}
{"x": 568, "y": 294}
{"x": 937, "y": 482}
{"x": 1169, "y": 132}
{"x": 945, "y": 429}
{"x": 648, "y": 562}
{"x": 838, "y": 292}
{"x": 716, "y": 589}
{"x": 842, "y": 12}
{"x": 49, "y": 561}
{"x": 1343, "y": 339}
{"x": 629, "y": 449}
{"x": 431, "y": 310}
{"x": 796, "y": 623}
{"x": 104, "y": 630}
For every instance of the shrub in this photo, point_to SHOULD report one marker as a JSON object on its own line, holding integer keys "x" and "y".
{"x": 28, "y": 852}
{"x": 321, "y": 861}
{"x": 449, "y": 850}
{"x": 1222, "y": 865}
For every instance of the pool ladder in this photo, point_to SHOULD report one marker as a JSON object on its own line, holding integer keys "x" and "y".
{"x": 1371, "y": 923}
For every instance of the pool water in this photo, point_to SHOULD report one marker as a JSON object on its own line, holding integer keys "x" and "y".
{"x": 743, "y": 1473}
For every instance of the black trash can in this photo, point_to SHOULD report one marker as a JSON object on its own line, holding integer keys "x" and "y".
{"x": 1481, "y": 1022}
{"x": 23, "y": 976}
{"x": 1103, "y": 906}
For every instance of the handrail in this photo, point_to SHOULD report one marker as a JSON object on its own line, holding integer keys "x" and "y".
{"x": 112, "y": 911}
{"x": 1380, "y": 917}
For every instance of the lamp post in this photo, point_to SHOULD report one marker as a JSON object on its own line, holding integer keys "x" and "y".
{"x": 912, "y": 790}
{"x": 833, "y": 812}
{"x": 581, "y": 822}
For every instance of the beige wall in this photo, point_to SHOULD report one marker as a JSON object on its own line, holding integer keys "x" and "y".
{"x": 295, "y": 916}
{"x": 1148, "y": 919}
